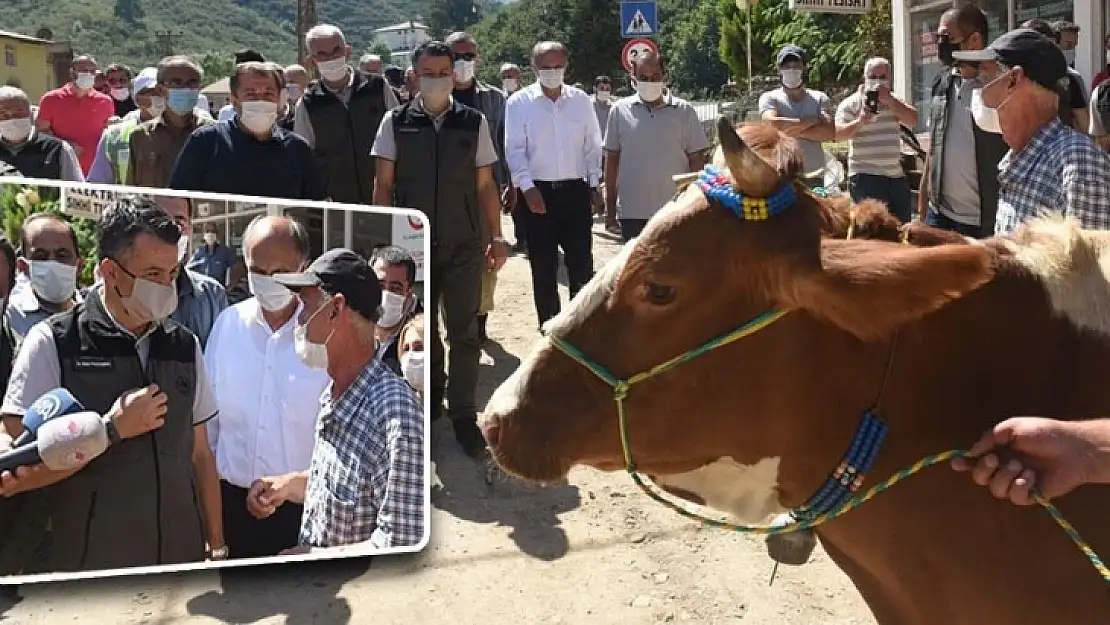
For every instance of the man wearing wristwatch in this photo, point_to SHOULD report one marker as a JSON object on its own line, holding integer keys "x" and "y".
{"x": 437, "y": 155}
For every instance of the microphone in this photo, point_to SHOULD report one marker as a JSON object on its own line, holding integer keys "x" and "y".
{"x": 65, "y": 442}
{"x": 51, "y": 404}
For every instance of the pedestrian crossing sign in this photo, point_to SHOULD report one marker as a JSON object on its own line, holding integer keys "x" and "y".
{"x": 639, "y": 19}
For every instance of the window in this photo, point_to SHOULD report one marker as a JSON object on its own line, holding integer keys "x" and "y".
{"x": 1050, "y": 11}
{"x": 9, "y": 55}
{"x": 335, "y": 222}
{"x": 924, "y": 62}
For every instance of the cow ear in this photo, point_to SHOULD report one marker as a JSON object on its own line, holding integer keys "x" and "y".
{"x": 870, "y": 288}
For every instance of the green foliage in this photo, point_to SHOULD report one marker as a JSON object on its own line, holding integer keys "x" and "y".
{"x": 215, "y": 66}
{"x": 381, "y": 49}
{"x": 447, "y": 16}
{"x": 689, "y": 32}
{"x": 130, "y": 11}
{"x": 19, "y": 201}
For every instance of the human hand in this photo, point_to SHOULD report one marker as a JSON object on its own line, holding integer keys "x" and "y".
{"x": 535, "y": 201}
{"x": 18, "y": 481}
{"x": 266, "y": 494}
{"x": 496, "y": 254}
{"x": 597, "y": 202}
{"x": 1026, "y": 453}
{"x": 139, "y": 411}
{"x": 885, "y": 96}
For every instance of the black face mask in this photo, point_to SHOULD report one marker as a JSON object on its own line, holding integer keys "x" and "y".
{"x": 945, "y": 48}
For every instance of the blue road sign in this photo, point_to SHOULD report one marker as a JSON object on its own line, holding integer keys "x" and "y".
{"x": 639, "y": 19}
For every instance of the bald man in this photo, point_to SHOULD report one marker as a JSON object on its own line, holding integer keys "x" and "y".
{"x": 268, "y": 398}
{"x": 297, "y": 82}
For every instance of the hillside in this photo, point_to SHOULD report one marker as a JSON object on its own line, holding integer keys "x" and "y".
{"x": 220, "y": 26}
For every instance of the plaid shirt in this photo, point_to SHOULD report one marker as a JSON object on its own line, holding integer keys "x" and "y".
{"x": 1058, "y": 171}
{"x": 366, "y": 479}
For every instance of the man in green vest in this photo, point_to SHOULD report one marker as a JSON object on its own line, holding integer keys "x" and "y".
{"x": 113, "y": 154}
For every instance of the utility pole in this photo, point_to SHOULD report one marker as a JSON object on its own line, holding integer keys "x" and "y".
{"x": 306, "y": 19}
{"x": 168, "y": 38}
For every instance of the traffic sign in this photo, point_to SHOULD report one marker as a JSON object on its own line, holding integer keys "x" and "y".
{"x": 639, "y": 18}
{"x": 635, "y": 48}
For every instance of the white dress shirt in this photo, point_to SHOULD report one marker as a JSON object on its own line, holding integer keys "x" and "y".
{"x": 552, "y": 140}
{"x": 268, "y": 398}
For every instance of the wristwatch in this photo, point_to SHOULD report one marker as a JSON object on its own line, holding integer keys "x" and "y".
{"x": 219, "y": 553}
{"x": 499, "y": 239}
{"x": 110, "y": 427}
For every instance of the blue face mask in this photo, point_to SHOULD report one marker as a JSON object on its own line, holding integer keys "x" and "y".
{"x": 182, "y": 101}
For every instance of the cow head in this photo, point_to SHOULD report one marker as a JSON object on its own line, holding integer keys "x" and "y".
{"x": 725, "y": 420}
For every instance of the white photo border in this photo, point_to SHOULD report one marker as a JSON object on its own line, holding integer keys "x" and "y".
{"x": 332, "y": 553}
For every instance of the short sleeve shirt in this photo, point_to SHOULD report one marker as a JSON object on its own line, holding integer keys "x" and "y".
{"x": 812, "y": 105}
{"x": 78, "y": 120}
{"x": 385, "y": 144}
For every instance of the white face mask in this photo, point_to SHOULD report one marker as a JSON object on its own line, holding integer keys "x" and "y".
{"x": 120, "y": 94}
{"x": 791, "y": 78}
{"x": 436, "y": 89}
{"x": 412, "y": 367}
{"x": 603, "y": 95}
{"x": 649, "y": 91}
{"x": 464, "y": 70}
{"x": 182, "y": 247}
{"x": 258, "y": 115}
{"x": 271, "y": 296}
{"x": 872, "y": 84}
{"x": 294, "y": 92}
{"x": 333, "y": 70}
{"x": 512, "y": 84}
{"x": 313, "y": 355}
{"x": 150, "y": 301}
{"x": 986, "y": 118}
{"x": 52, "y": 281}
{"x": 15, "y": 130}
{"x": 551, "y": 78}
{"x": 157, "y": 106}
{"x": 85, "y": 80}
{"x": 393, "y": 309}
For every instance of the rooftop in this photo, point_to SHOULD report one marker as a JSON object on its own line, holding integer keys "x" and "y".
{"x": 7, "y": 34}
{"x": 402, "y": 26}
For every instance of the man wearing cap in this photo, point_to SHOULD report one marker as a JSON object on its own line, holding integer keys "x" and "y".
{"x": 1051, "y": 168}
{"x": 805, "y": 114}
{"x": 366, "y": 479}
{"x": 113, "y": 153}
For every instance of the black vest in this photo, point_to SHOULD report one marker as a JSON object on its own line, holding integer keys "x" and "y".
{"x": 437, "y": 172}
{"x": 345, "y": 135}
{"x": 41, "y": 157}
{"x": 136, "y": 504}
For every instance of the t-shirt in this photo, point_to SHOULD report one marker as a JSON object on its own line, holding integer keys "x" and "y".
{"x": 78, "y": 120}
{"x": 812, "y": 105}
{"x": 876, "y": 148}
{"x": 222, "y": 158}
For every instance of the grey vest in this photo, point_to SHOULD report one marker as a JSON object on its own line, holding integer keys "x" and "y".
{"x": 136, "y": 504}
{"x": 446, "y": 188}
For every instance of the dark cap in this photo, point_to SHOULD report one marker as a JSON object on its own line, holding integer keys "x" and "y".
{"x": 341, "y": 271}
{"x": 1039, "y": 57}
{"x": 791, "y": 51}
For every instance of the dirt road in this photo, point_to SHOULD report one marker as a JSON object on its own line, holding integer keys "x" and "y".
{"x": 593, "y": 552}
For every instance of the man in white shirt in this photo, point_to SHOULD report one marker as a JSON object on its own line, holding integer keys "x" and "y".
{"x": 268, "y": 398}
{"x": 553, "y": 147}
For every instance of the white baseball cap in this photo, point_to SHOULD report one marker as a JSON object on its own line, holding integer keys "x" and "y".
{"x": 147, "y": 79}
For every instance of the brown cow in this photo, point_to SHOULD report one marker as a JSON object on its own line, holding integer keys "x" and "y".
{"x": 943, "y": 340}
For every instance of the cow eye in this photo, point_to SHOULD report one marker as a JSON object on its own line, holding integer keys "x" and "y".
{"x": 658, "y": 294}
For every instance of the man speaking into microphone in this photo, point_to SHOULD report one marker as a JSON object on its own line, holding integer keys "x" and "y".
{"x": 153, "y": 496}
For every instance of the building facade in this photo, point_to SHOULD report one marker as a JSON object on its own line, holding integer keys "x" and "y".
{"x": 34, "y": 64}
{"x": 914, "y": 25}
{"x": 402, "y": 39}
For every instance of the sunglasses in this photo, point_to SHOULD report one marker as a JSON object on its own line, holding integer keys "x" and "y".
{"x": 468, "y": 56}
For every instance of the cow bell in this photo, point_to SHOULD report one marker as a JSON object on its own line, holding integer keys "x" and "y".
{"x": 793, "y": 548}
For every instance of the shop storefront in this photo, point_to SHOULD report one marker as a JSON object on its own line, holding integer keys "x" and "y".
{"x": 915, "y": 48}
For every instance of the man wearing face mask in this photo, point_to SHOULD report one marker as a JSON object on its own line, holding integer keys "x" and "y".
{"x": 34, "y": 154}
{"x": 155, "y": 144}
{"x": 76, "y": 113}
{"x": 510, "y": 78}
{"x": 296, "y": 83}
{"x": 454, "y": 185}
{"x": 119, "y": 76}
{"x": 559, "y": 187}
{"x": 805, "y": 114}
{"x": 371, "y": 64}
{"x": 340, "y": 115}
{"x": 51, "y": 261}
{"x": 113, "y": 153}
{"x": 213, "y": 259}
{"x": 959, "y": 186}
{"x": 267, "y": 397}
{"x": 868, "y": 119}
{"x": 1050, "y": 168}
{"x": 251, "y": 154}
{"x": 200, "y": 299}
{"x": 395, "y": 76}
{"x": 651, "y": 137}
{"x": 365, "y": 484}
{"x": 246, "y": 55}
{"x": 1073, "y": 107}
{"x": 603, "y": 101}
{"x": 396, "y": 271}
{"x": 153, "y": 497}
{"x": 510, "y": 84}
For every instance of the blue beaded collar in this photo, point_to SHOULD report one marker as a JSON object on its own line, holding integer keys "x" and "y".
{"x": 716, "y": 187}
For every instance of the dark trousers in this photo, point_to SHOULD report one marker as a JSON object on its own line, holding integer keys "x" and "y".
{"x": 894, "y": 192}
{"x": 568, "y": 225}
{"x": 934, "y": 218}
{"x": 519, "y": 227}
{"x": 631, "y": 228}
{"x": 248, "y": 537}
{"x": 457, "y": 287}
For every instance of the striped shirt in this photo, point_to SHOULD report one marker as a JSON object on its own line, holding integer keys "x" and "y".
{"x": 876, "y": 149}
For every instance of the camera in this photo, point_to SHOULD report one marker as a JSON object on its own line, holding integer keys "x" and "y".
{"x": 871, "y": 99}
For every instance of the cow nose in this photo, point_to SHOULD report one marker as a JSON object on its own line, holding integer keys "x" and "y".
{"x": 490, "y": 426}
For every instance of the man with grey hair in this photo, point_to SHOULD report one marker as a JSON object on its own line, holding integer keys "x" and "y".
{"x": 510, "y": 78}
{"x": 339, "y": 116}
{"x": 267, "y": 397}
{"x": 869, "y": 120}
{"x": 32, "y": 153}
{"x": 155, "y": 144}
{"x": 557, "y": 186}
{"x": 1051, "y": 168}
{"x": 371, "y": 64}
{"x": 297, "y": 82}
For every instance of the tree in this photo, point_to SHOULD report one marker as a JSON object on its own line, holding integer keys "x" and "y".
{"x": 130, "y": 11}
{"x": 447, "y": 16}
{"x": 216, "y": 66}
{"x": 689, "y": 32}
{"x": 381, "y": 49}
